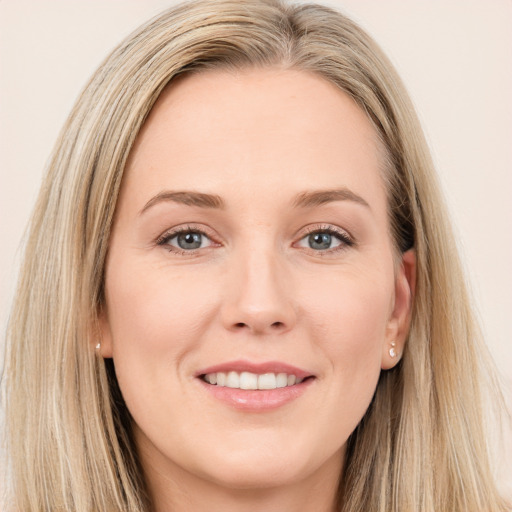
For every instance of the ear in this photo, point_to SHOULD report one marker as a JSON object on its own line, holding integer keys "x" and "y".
{"x": 400, "y": 318}
{"x": 105, "y": 341}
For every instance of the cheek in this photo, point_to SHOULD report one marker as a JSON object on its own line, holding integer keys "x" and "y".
{"x": 152, "y": 308}
{"x": 351, "y": 314}
{"x": 156, "y": 318}
{"x": 348, "y": 323}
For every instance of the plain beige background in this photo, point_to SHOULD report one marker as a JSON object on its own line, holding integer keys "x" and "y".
{"x": 455, "y": 56}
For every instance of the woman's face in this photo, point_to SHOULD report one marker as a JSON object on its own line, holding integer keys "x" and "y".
{"x": 251, "y": 248}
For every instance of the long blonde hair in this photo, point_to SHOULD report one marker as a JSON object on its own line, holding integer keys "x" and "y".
{"x": 420, "y": 446}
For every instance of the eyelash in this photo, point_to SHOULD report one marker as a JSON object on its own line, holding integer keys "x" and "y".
{"x": 346, "y": 240}
{"x": 164, "y": 239}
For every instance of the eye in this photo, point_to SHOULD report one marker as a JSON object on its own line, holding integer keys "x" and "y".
{"x": 185, "y": 240}
{"x": 326, "y": 239}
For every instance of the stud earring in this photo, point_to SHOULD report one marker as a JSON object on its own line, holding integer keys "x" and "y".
{"x": 98, "y": 346}
{"x": 392, "y": 350}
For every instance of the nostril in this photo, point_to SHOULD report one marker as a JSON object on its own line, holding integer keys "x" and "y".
{"x": 259, "y": 324}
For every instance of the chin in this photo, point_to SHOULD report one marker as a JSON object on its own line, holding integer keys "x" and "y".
{"x": 263, "y": 466}
{"x": 247, "y": 474}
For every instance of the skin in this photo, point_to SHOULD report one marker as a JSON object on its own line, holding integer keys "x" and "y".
{"x": 256, "y": 289}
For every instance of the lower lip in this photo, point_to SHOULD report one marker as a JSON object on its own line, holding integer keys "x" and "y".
{"x": 257, "y": 400}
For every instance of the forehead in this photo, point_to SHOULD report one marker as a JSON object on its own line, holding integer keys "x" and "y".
{"x": 285, "y": 129}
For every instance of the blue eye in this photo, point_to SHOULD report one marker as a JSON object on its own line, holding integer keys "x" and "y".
{"x": 325, "y": 240}
{"x": 321, "y": 241}
{"x": 186, "y": 240}
{"x": 189, "y": 240}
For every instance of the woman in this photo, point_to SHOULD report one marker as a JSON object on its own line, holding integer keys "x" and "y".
{"x": 240, "y": 289}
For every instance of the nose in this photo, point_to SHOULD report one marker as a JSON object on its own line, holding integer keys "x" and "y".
{"x": 258, "y": 296}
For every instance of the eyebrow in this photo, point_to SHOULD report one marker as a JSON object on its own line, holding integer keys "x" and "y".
{"x": 187, "y": 198}
{"x": 320, "y": 197}
{"x": 213, "y": 201}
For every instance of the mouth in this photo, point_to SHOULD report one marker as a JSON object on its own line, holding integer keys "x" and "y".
{"x": 252, "y": 381}
{"x": 255, "y": 386}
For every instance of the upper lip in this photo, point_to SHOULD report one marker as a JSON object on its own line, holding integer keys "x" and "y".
{"x": 259, "y": 368}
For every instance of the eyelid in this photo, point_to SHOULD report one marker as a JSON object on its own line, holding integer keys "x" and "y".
{"x": 188, "y": 228}
{"x": 346, "y": 239}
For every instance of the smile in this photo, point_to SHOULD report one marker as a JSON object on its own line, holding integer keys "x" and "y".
{"x": 248, "y": 380}
{"x": 255, "y": 387}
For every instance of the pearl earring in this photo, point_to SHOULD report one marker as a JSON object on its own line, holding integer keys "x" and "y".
{"x": 392, "y": 350}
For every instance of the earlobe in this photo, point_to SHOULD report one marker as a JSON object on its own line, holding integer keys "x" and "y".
{"x": 400, "y": 319}
{"x": 104, "y": 344}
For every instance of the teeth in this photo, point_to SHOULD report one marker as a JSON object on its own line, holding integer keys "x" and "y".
{"x": 248, "y": 380}
{"x": 233, "y": 380}
{"x": 281, "y": 380}
{"x": 221, "y": 379}
{"x": 267, "y": 381}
